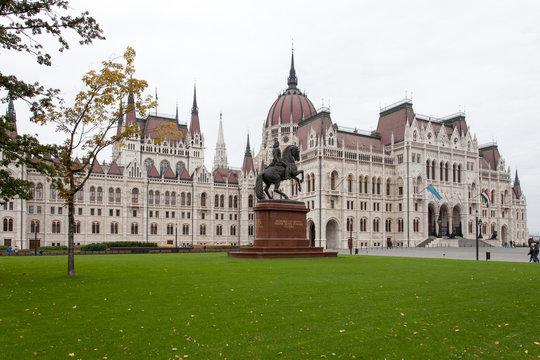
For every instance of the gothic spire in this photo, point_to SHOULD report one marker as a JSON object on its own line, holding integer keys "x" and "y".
{"x": 516, "y": 180}
{"x": 11, "y": 110}
{"x": 292, "y": 81}
{"x": 220, "y": 158}
{"x": 248, "y": 148}
{"x": 194, "y": 108}
{"x": 131, "y": 117}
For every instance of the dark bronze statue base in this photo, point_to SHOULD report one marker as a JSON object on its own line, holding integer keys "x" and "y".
{"x": 281, "y": 232}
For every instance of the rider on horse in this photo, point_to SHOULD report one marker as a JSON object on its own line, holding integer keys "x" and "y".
{"x": 276, "y": 161}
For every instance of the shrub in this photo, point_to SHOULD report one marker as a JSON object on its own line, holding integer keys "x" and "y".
{"x": 3, "y": 248}
{"x": 94, "y": 247}
{"x": 53, "y": 248}
{"x": 129, "y": 244}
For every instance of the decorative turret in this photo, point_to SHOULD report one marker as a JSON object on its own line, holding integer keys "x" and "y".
{"x": 131, "y": 118}
{"x": 292, "y": 81}
{"x": 11, "y": 116}
{"x": 247, "y": 166}
{"x": 220, "y": 158}
{"x": 516, "y": 189}
{"x": 194, "y": 126}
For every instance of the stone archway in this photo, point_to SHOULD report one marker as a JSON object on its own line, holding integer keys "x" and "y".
{"x": 432, "y": 228}
{"x": 332, "y": 234}
{"x": 504, "y": 234}
{"x": 443, "y": 230}
{"x": 311, "y": 233}
{"x": 456, "y": 221}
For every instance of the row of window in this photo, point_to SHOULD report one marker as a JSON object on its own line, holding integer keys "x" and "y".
{"x": 443, "y": 171}
{"x": 376, "y": 225}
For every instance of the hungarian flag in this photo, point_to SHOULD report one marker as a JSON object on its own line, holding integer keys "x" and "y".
{"x": 486, "y": 197}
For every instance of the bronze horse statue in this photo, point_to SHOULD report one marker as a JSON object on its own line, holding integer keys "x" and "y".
{"x": 276, "y": 174}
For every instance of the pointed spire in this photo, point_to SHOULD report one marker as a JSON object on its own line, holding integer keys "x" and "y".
{"x": 11, "y": 110}
{"x": 194, "y": 108}
{"x": 220, "y": 158}
{"x": 194, "y": 126}
{"x": 131, "y": 118}
{"x": 516, "y": 180}
{"x": 292, "y": 81}
{"x": 248, "y": 148}
{"x": 176, "y": 110}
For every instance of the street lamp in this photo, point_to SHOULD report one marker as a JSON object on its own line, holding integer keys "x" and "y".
{"x": 176, "y": 237}
{"x": 350, "y": 236}
{"x": 478, "y": 232}
{"x": 35, "y": 237}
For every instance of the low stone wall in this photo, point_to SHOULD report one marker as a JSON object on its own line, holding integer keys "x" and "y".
{"x": 135, "y": 250}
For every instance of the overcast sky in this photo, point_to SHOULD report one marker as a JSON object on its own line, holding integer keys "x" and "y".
{"x": 354, "y": 56}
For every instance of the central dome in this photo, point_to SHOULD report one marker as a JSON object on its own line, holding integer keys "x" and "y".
{"x": 292, "y": 106}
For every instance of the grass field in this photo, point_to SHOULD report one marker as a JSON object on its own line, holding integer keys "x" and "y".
{"x": 207, "y": 306}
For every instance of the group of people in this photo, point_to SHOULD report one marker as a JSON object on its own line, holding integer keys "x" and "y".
{"x": 533, "y": 252}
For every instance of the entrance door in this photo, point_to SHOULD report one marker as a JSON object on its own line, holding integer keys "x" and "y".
{"x": 311, "y": 233}
{"x": 332, "y": 235}
{"x": 34, "y": 244}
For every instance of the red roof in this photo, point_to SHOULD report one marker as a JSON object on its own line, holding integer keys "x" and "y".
{"x": 153, "y": 172}
{"x": 156, "y": 126}
{"x": 169, "y": 174}
{"x": 248, "y": 166}
{"x": 290, "y": 107}
{"x": 96, "y": 168}
{"x": 184, "y": 175}
{"x": 393, "y": 121}
{"x": 491, "y": 155}
{"x": 115, "y": 170}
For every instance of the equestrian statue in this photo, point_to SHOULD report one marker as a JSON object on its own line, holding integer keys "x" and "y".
{"x": 281, "y": 168}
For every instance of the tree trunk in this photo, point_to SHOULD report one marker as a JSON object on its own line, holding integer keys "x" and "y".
{"x": 71, "y": 230}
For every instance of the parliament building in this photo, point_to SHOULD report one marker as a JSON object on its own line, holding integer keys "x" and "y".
{"x": 370, "y": 186}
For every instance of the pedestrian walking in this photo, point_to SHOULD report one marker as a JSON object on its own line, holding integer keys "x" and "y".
{"x": 535, "y": 259}
{"x": 531, "y": 252}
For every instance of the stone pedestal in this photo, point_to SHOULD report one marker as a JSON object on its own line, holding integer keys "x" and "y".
{"x": 281, "y": 232}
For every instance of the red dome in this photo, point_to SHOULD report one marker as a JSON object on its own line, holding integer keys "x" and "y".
{"x": 292, "y": 106}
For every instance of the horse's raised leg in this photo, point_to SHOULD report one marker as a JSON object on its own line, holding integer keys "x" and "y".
{"x": 266, "y": 187}
{"x": 276, "y": 190}
{"x": 298, "y": 184}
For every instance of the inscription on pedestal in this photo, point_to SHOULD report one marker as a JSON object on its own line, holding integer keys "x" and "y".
{"x": 289, "y": 224}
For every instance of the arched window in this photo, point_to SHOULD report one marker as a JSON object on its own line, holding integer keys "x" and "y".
{"x": 333, "y": 179}
{"x": 111, "y": 194}
{"x": 114, "y": 228}
{"x": 92, "y": 193}
{"x": 366, "y": 182}
{"x": 95, "y": 227}
{"x": 446, "y": 172}
{"x": 222, "y": 201}
{"x": 153, "y": 229}
{"x": 363, "y": 224}
{"x": 400, "y": 225}
{"x": 170, "y": 229}
{"x": 33, "y": 190}
{"x": 360, "y": 186}
{"x": 34, "y": 226}
{"x": 8, "y": 224}
{"x": 173, "y": 198}
{"x": 427, "y": 169}
{"x": 378, "y": 186}
{"x": 433, "y": 170}
{"x": 188, "y": 199}
{"x": 167, "y": 198}
{"x": 459, "y": 174}
{"x": 350, "y": 224}
{"x": 388, "y": 187}
{"x": 203, "y": 199}
{"x": 148, "y": 164}
{"x": 216, "y": 201}
{"x": 135, "y": 196}
{"x": 56, "y": 227}
{"x": 349, "y": 183}
{"x": 39, "y": 191}
{"x": 454, "y": 175}
{"x": 219, "y": 230}
{"x": 202, "y": 229}
{"x": 233, "y": 230}
{"x": 308, "y": 181}
{"x": 250, "y": 201}
{"x": 388, "y": 225}
{"x": 151, "y": 197}
{"x": 230, "y": 202}
{"x": 77, "y": 227}
{"x": 134, "y": 228}
{"x": 118, "y": 195}
{"x": 157, "y": 197}
{"x": 80, "y": 195}
{"x": 52, "y": 193}
{"x": 416, "y": 225}
{"x": 441, "y": 171}
{"x": 185, "y": 229}
{"x": 99, "y": 194}
{"x": 312, "y": 182}
{"x": 235, "y": 202}
{"x": 376, "y": 225}
{"x": 373, "y": 185}
{"x": 183, "y": 199}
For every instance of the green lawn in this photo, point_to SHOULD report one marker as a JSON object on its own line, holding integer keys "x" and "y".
{"x": 208, "y": 306}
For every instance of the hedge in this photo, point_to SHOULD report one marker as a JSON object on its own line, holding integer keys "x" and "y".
{"x": 129, "y": 244}
{"x": 94, "y": 247}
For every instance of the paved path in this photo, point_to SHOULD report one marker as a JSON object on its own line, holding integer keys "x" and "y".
{"x": 464, "y": 253}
